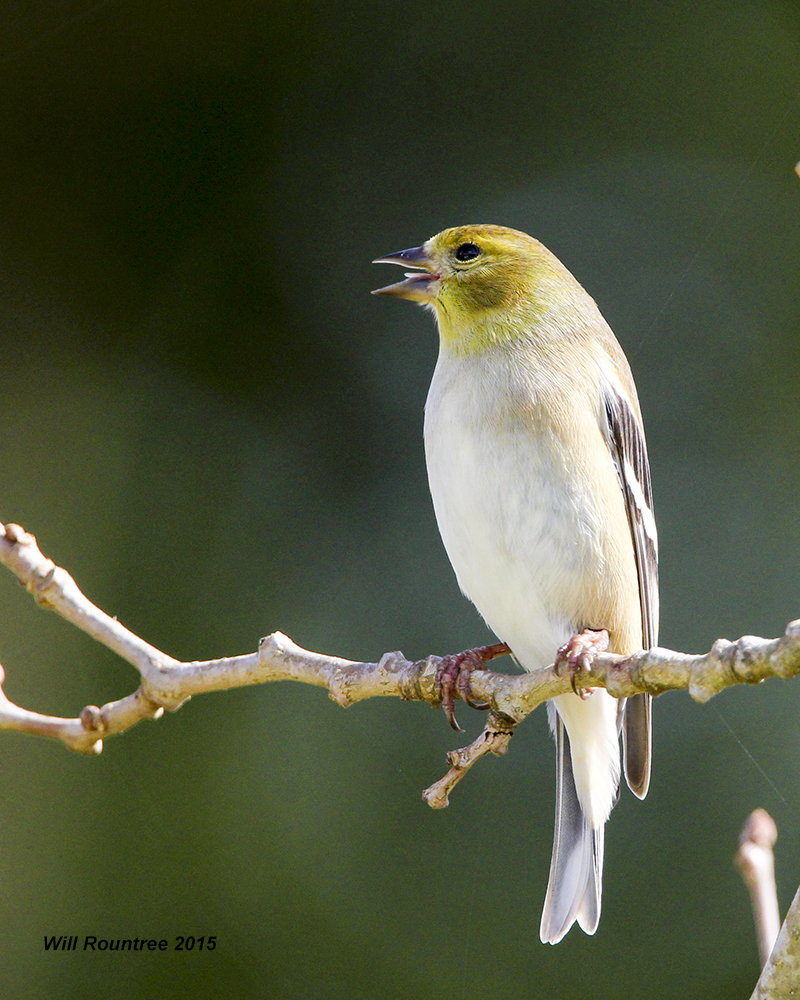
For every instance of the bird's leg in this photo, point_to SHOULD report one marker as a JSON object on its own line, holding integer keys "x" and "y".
{"x": 577, "y": 655}
{"x": 452, "y": 677}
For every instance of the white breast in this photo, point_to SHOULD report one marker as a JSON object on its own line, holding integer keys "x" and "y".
{"x": 513, "y": 524}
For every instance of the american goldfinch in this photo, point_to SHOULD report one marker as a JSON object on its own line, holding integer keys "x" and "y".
{"x": 541, "y": 487}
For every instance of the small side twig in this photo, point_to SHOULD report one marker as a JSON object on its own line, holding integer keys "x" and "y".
{"x": 494, "y": 739}
{"x": 756, "y": 862}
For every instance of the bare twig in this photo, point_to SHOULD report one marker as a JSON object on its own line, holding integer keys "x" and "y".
{"x": 166, "y": 683}
{"x": 494, "y": 739}
{"x": 756, "y": 862}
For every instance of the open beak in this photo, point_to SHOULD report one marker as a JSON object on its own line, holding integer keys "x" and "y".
{"x": 420, "y": 285}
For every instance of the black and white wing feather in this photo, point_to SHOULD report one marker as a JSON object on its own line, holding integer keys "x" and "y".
{"x": 629, "y": 453}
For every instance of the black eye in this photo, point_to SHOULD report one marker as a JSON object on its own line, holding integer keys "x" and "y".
{"x": 468, "y": 251}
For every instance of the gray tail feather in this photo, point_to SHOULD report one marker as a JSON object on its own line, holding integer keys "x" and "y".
{"x": 637, "y": 742}
{"x": 576, "y": 870}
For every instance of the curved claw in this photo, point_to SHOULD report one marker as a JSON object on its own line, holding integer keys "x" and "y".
{"x": 446, "y": 683}
{"x": 462, "y": 685}
{"x": 451, "y": 718}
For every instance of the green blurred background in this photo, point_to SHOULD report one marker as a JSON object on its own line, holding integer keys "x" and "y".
{"x": 207, "y": 419}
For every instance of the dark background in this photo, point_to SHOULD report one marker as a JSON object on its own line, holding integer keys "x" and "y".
{"x": 207, "y": 419}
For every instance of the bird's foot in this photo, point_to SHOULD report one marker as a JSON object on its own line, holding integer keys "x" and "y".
{"x": 577, "y": 655}
{"x": 453, "y": 673}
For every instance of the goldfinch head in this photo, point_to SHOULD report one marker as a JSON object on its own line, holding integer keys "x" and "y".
{"x": 482, "y": 277}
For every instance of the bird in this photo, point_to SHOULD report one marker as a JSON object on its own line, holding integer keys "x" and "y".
{"x": 538, "y": 471}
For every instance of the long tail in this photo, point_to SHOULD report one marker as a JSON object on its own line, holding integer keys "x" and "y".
{"x": 576, "y": 869}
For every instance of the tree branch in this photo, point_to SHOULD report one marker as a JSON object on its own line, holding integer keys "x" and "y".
{"x": 166, "y": 683}
{"x": 781, "y": 974}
